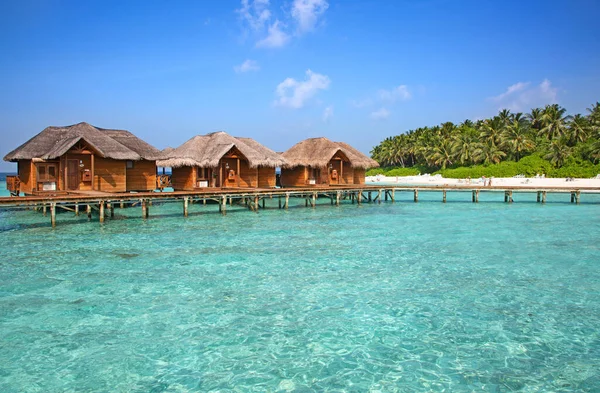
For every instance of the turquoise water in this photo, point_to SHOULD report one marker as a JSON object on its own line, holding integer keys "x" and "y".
{"x": 404, "y": 297}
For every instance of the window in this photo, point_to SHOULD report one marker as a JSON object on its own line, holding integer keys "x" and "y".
{"x": 204, "y": 173}
{"x": 46, "y": 172}
{"x": 129, "y": 164}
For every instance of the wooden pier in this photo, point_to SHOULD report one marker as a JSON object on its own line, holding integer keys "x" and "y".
{"x": 255, "y": 199}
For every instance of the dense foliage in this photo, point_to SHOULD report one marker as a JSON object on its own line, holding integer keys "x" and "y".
{"x": 547, "y": 140}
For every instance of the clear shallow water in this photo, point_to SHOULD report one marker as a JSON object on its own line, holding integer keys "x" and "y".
{"x": 406, "y": 297}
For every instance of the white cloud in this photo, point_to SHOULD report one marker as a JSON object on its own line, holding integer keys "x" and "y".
{"x": 523, "y": 96}
{"x": 519, "y": 86}
{"x": 397, "y": 93}
{"x": 328, "y": 113}
{"x": 307, "y": 12}
{"x": 380, "y": 114}
{"x": 248, "y": 65}
{"x": 255, "y": 13}
{"x": 294, "y": 94}
{"x": 276, "y": 37}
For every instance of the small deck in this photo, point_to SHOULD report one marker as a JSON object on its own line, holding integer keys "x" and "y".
{"x": 254, "y": 199}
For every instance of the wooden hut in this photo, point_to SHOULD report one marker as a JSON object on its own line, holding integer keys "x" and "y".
{"x": 82, "y": 157}
{"x": 221, "y": 160}
{"x": 321, "y": 162}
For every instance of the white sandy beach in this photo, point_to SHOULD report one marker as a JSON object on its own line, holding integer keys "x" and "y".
{"x": 438, "y": 180}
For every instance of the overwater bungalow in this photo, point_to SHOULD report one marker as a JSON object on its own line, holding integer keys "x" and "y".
{"x": 82, "y": 157}
{"x": 222, "y": 161}
{"x": 322, "y": 162}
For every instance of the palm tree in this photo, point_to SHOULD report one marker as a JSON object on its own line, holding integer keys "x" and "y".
{"x": 594, "y": 117}
{"x": 515, "y": 137}
{"x": 554, "y": 122}
{"x": 489, "y": 153}
{"x": 559, "y": 151}
{"x": 463, "y": 147}
{"x": 442, "y": 154}
{"x": 505, "y": 116}
{"x": 535, "y": 118}
{"x": 491, "y": 129}
{"x": 578, "y": 129}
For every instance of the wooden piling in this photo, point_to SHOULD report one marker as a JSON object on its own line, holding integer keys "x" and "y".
{"x": 256, "y": 203}
{"x": 337, "y": 198}
{"x": 89, "y": 211}
{"x": 379, "y": 195}
{"x": 77, "y": 209}
{"x": 263, "y": 202}
{"x": 185, "y": 206}
{"x": 314, "y": 200}
{"x": 44, "y": 210}
{"x": 510, "y": 198}
{"x": 393, "y": 195}
{"x": 224, "y": 205}
{"x": 101, "y": 209}
{"x": 577, "y": 197}
{"x": 287, "y": 200}
{"x": 53, "y": 214}
{"x": 444, "y": 196}
{"x": 111, "y": 209}
{"x": 544, "y": 196}
{"x": 539, "y": 196}
{"x": 360, "y": 197}
{"x": 416, "y": 195}
{"x": 144, "y": 208}
{"x": 121, "y": 204}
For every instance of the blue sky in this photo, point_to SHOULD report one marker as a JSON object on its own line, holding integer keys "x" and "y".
{"x": 283, "y": 71}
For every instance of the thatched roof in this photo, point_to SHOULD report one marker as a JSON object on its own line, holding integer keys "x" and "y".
{"x": 205, "y": 151}
{"x": 317, "y": 152}
{"x": 53, "y": 142}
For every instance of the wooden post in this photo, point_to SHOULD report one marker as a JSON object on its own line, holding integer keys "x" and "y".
{"x": 544, "y": 196}
{"x": 510, "y": 199}
{"x": 505, "y": 196}
{"x": 101, "y": 206}
{"x": 475, "y": 196}
{"x": 224, "y": 203}
{"x": 144, "y": 209}
{"x": 76, "y": 209}
{"x": 204, "y": 201}
{"x": 89, "y": 211}
{"x": 416, "y": 195}
{"x": 386, "y": 195}
{"x": 370, "y": 197}
{"x": 256, "y": 203}
{"x": 539, "y": 196}
{"x": 93, "y": 170}
{"x": 111, "y": 208}
{"x": 360, "y": 195}
{"x": 185, "y": 206}
{"x": 572, "y": 197}
{"x": 379, "y": 196}
{"x": 263, "y": 202}
{"x": 314, "y": 199}
{"x": 44, "y": 209}
{"x": 305, "y": 201}
{"x": 577, "y": 197}
{"x": 279, "y": 201}
{"x": 393, "y": 195}
{"x": 352, "y": 197}
{"x": 121, "y": 204}
{"x": 444, "y": 196}
{"x": 53, "y": 214}
{"x": 337, "y": 198}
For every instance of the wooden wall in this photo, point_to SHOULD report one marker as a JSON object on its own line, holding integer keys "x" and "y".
{"x": 26, "y": 172}
{"x": 359, "y": 176}
{"x": 109, "y": 175}
{"x": 293, "y": 177}
{"x": 183, "y": 178}
{"x": 248, "y": 176}
{"x": 266, "y": 177}
{"x": 347, "y": 174}
{"x": 142, "y": 177}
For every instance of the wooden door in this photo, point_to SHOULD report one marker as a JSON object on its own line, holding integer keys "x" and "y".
{"x": 73, "y": 174}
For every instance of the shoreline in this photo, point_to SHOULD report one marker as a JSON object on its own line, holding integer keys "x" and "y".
{"x": 524, "y": 182}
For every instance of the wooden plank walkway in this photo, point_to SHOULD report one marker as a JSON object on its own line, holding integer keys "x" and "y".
{"x": 254, "y": 199}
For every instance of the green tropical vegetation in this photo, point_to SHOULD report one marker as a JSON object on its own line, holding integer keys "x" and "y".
{"x": 545, "y": 141}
